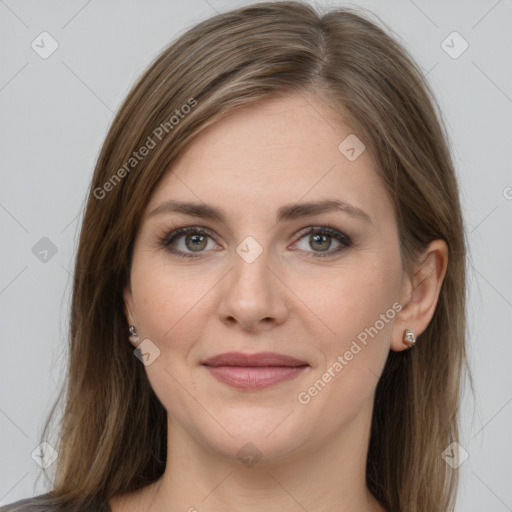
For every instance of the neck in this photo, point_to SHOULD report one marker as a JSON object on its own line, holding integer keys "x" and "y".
{"x": 326, "y": 478}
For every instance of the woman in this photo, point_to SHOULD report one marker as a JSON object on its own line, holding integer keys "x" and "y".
{"x": 273, "y": 224}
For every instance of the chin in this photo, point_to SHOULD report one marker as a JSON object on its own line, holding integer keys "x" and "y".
{"x": 258, "y": 435}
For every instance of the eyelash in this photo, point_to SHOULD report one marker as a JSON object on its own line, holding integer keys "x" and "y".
{"x": 326, "y": 229}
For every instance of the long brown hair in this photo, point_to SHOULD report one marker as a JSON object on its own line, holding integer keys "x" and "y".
{"x": 112, "y": 436}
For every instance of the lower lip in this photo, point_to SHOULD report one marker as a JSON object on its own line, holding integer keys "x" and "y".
{"x": 254, "y": 377}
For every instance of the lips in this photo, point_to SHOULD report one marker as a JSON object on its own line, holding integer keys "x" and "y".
{"x": 254, "y": 371}
{"x": 261, "y": 359}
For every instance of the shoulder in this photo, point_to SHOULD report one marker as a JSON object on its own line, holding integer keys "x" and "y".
{"x": 36, "y": 504}
{"x": 43, "y": 503}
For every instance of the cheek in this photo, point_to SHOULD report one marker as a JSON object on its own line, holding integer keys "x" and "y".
{"x": 351, "y": 299}
{"x": 169, "y": 302}
{"x": 360, "y": 311}
{"x": 167, "y": 307}
{"x": 365, "y": 299}
{"x": 359, "y": 307}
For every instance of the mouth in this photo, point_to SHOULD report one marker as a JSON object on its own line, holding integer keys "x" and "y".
{"x": 254, "y": 371}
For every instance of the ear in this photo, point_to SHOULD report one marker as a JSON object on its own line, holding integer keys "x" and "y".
{"x": 129, "y": 308}
{"x": 420, "y": 292}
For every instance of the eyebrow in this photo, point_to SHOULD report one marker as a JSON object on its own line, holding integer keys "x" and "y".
{"x": 286, "y": 212}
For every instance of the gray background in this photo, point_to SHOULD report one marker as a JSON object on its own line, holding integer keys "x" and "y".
{"x": 55, "y": 113}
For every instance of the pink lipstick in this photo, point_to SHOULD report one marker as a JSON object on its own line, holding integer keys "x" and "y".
{"x": 254, "y": 371}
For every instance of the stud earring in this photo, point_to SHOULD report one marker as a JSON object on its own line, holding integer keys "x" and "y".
{"x": 134, "y": 336}
{"x": 409, "y": 338}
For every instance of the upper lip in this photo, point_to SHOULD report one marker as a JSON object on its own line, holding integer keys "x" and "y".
{"x": 260, "y": 359}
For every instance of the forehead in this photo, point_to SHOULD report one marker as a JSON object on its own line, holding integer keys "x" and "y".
{"x": 273, "y": 152}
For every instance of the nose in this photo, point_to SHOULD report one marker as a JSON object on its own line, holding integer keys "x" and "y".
{"x": 253, "y": 296}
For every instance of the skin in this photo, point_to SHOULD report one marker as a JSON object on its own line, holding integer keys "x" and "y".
{"x": 289, "y": 300}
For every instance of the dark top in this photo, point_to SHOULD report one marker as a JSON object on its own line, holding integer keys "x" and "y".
{"x": 38, "y": 504}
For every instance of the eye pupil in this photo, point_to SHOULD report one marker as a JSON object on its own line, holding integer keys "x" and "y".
{"x": 318, "y": 237}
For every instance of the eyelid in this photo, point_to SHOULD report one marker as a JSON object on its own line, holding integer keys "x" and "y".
{"x": 324, "y": 228}
{"x": 179, "y": 231}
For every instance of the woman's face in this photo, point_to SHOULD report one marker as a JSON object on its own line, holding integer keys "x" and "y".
{"x": 264, "y": 268}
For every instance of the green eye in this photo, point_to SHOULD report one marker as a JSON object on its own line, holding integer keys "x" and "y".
{"x": 195, "y": 240}
{"x": 321, "y": 238}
